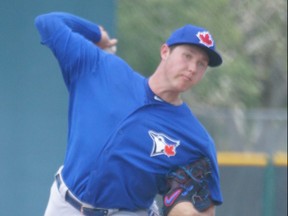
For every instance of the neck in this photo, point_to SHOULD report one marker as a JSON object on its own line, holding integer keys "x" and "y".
{"x": 160, "y": 89}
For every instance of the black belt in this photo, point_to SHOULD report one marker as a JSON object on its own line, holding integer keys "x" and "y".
{"x": 76, "y": 204}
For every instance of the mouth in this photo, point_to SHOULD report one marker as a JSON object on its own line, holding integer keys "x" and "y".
{"x": 187, "y": 78}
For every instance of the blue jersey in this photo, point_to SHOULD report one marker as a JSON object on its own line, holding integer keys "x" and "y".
{"x": 122, "y": 138}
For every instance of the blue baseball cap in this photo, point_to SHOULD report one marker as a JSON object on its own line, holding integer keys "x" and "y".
{"x": 197, "y": 36}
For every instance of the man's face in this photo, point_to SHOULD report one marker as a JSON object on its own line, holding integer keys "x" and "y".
{"x": 185, "y": 65}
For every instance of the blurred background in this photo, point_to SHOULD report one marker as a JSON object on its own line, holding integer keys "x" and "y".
{"x": 243, "y": 103}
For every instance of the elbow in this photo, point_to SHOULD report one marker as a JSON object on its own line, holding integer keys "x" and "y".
{"x": 38, "y": 21}
{"x": 44, "y": 19}
{"x": 47, "y": 24}
{"x": 42, "y": 27}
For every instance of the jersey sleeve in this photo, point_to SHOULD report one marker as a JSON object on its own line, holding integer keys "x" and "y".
{"x": 71, "y": 40}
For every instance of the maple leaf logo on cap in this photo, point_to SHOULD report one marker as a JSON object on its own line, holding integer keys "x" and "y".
{"x": 205, "y": 38}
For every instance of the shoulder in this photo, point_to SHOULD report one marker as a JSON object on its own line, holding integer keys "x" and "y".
{"x": 119, "y": 68}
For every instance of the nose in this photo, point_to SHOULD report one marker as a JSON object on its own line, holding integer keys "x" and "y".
{"x": 192, "y": 68}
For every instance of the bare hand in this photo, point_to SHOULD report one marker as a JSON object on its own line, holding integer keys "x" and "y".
{"x": 106, "y": 43}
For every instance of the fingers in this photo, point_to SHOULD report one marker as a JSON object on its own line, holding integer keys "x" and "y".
{"x": 106, "y": 43}
{"x": 112, "y": 49}
{"x": 113, "y": 42}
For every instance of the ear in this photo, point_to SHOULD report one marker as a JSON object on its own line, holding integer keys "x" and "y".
{"x": 164, "y": 51}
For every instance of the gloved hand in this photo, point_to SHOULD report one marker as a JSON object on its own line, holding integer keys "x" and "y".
{"x": 189, "y": 183}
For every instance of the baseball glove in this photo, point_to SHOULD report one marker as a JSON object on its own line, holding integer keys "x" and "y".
{"x": 189, "y": 183}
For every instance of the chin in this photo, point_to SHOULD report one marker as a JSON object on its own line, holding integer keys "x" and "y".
{"x": 186, "y": 87}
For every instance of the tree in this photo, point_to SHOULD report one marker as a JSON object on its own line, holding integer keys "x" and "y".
{"x": 251, "y": 36}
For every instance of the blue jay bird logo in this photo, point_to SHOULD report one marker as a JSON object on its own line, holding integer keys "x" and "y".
{"x": 162, "y": 144}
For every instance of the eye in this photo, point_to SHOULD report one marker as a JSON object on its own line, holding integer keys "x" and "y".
{"x": 202, "y": 64}
{"x": 187, "y": 56}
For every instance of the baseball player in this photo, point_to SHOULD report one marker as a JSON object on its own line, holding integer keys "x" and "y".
{"x": 130, "y": 137}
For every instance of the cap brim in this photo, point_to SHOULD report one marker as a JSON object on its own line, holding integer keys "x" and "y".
{"x": 215, "y": 58}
